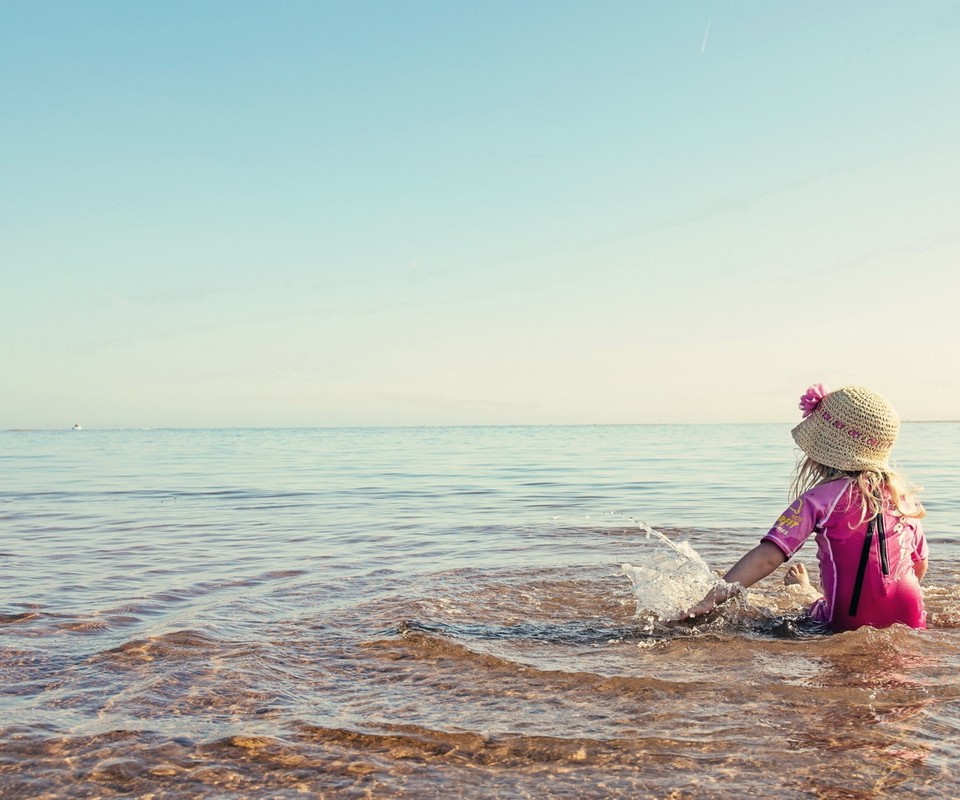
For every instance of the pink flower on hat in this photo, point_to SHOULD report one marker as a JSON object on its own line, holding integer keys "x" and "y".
{"x": 811, "y": 399}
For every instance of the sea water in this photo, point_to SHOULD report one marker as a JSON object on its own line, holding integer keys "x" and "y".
{"x": 447, "y": 612}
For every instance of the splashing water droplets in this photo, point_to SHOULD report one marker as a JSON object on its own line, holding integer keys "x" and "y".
{"x": 671, "y": 577}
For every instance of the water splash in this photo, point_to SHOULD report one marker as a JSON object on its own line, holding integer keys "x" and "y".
{"x": 671, "y": 577}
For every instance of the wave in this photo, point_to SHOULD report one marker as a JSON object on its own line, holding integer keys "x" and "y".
{"x": 23, "y": 616}
{"x": 572, "y": 632}
{"x": 317, "y": 760}
{"x": 480, "y": 748}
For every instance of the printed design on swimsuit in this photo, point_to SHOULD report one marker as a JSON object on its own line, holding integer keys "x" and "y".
{"x": 904, "y": 542}
{"x": 791, "y": 518}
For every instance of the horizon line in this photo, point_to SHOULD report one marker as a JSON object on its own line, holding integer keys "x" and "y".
{"x": 415, "y": 426}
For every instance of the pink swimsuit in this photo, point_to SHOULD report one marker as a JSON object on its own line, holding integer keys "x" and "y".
{"x": 866, "y": 568}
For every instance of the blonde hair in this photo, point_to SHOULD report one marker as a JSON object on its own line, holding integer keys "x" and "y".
{"x": 874, "y": 484}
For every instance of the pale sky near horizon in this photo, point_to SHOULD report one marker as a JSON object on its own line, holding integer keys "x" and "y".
{"x": 416, "y": 213}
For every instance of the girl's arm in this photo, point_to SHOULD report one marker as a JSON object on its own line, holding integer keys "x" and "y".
{"x": 920, "y": 568}
{"x": 754, "y": 566}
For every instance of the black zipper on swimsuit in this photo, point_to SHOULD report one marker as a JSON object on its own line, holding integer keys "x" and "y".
{"x": 862, "y": 569}
{"x": 875, "y": 524}
{"x": 882, "y": 544}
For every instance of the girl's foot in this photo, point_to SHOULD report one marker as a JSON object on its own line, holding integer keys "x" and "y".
{"x": 797, "y": 576}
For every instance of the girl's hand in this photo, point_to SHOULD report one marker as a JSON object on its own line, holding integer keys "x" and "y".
{"x": 705, "y": 606}
{"x": 715, "y": 597}
{"x": 755, "y": 565}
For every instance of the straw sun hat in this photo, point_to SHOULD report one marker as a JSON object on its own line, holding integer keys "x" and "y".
{"x": 850, "y": 429}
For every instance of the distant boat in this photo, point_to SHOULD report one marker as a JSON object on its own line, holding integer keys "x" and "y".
{"x": 78, "y": 427}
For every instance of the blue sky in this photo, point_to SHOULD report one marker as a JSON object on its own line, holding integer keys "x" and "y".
{"x": 409, "y": 213}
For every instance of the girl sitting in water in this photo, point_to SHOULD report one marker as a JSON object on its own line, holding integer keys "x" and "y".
{"x": 870, "y": 542}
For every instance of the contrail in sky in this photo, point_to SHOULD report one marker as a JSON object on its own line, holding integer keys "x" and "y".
{"x": 706, "y": 33}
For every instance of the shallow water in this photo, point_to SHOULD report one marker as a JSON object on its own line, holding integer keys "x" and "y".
{"x": 443, "y": 612}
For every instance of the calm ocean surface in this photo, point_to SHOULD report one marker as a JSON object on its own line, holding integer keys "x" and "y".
{"x": 442, "y": 612}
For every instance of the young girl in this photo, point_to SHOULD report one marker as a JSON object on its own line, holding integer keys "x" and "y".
{"x": 870, "y": 543}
